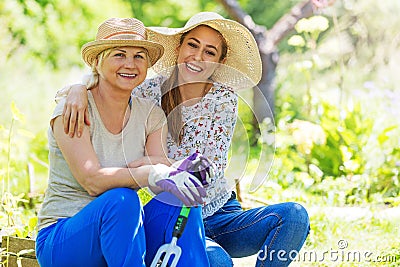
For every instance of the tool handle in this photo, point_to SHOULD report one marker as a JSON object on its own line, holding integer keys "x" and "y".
{"x": 181, "y": 222}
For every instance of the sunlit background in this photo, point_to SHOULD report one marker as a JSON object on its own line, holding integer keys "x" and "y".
{"x": 335, "y": 138}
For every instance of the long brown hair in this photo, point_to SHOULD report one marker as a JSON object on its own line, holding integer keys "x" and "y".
{"x": 171, "y": 96}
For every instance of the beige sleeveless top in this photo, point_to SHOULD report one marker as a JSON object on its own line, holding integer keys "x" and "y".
{"x": 64, "y": 196}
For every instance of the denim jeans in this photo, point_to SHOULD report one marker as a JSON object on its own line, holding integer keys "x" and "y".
{"x": 274, "y": 232}
{"x": 114, "y": 230}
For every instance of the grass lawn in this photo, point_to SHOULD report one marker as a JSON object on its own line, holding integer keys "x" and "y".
{"x": 346, "y": 236}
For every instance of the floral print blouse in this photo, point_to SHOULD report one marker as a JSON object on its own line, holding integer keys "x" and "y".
{"x": 209, "y": 126}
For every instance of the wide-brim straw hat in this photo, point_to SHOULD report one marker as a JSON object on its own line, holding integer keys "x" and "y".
{"x": 242, "y": 68}
{"x": 117, "y": 32}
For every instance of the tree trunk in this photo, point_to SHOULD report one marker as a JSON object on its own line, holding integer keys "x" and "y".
{"x": 267, "y": 40}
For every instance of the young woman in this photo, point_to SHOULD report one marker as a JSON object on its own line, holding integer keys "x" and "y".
{"x": 91, "y": 214}
{"x": 204, "y": 62}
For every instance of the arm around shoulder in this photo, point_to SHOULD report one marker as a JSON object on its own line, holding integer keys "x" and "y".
{"x": 86, "y": 168}
{"x": 75, "y": 109}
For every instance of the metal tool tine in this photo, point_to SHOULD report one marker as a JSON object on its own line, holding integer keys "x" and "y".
{"x": 165, "y": 252}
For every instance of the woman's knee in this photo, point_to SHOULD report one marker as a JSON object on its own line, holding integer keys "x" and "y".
{"x": 124, "y": 200}
{"x": 217, "y": 256}
{"x": 295, "y": 213}
{"x": 296, "y": 210}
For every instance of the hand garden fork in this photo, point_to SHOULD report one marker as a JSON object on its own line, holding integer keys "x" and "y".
{"x": 169, "y": 250}
{"x": 203, "y": 170}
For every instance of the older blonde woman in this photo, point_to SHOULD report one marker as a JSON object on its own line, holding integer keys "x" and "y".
{"x": 91, "y": 214}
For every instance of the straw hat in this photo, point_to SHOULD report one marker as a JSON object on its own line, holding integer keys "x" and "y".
{"x": 116, "y": 32}
{"x": 242, "y": 68}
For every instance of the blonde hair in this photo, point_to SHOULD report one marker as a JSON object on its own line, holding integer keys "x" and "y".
{"x": 92, "y": 80}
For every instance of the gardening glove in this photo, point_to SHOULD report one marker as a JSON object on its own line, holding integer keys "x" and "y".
{"x": 197, "y": 165}
{"x": 182, "y": 184}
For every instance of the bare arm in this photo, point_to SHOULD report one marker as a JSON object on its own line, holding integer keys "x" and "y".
{"x": 95, "y": 179}
{"x": 151, "y": 160}
{"x": 75, "y": 112}
{"x": 86, "y": 168}
{"x": 156, "y": 150}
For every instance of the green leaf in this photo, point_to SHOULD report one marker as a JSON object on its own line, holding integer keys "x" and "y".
{"x": 17, "y": 115}
{"x": 32, "y": 223}
{"x": 383, "y": 137}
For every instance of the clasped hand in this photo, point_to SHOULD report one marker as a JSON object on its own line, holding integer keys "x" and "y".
{"x": 187, "y": 179}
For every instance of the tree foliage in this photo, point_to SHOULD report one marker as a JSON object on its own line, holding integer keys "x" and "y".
{"x": 345, "y": 81}
{"x": 50, "y": 31}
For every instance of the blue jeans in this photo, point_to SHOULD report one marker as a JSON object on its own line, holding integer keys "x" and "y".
{"x": 111, "y": 231}
{"x": 273, "y": 232}
{"x": 160, "y": 217}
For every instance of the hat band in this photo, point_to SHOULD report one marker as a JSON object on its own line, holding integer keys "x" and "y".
{"x": 125, "y": 35}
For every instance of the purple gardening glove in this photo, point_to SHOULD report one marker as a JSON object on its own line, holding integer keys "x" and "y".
{"x": 182, "y": 184}
{"x": 197, "y": 165}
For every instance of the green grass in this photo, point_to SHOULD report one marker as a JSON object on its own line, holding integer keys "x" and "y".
{"x": 352, "y": 237}
{"x": 337, "y": 239}
{"x": 339, "y": 235}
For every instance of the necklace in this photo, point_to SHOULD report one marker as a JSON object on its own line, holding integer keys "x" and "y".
{"x": 204, "y": 90}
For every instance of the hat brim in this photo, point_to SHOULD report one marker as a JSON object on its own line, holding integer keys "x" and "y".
{"x": 242, "y": 57}
{"x": 91, "y": 50}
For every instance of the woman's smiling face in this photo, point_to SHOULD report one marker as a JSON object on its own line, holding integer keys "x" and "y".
{"x": 200, "y": 54}
{"x": 124, "y": 68}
